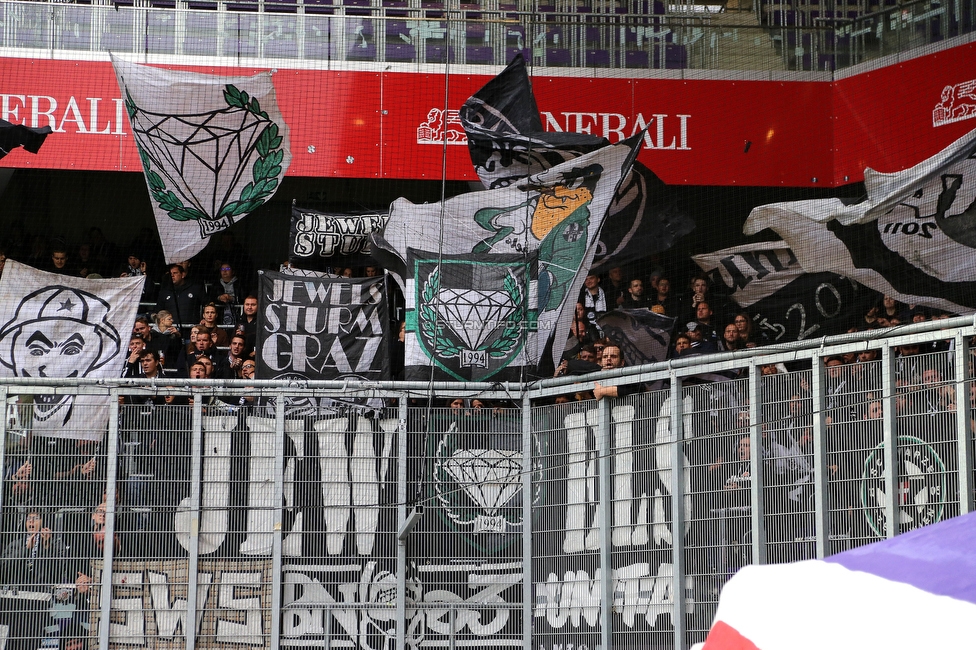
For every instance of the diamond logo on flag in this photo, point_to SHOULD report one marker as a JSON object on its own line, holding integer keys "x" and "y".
{"x": 554, "y": 215}
{"x": 213, "y": 149}
{"x": 463, "y": 310}
{"x": 491, "y": 477}
{"x": 463, "y": 325}
{"x": 476, "y": 473}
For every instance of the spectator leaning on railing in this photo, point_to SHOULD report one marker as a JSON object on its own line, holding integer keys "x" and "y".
{"x": 612, "y": 358}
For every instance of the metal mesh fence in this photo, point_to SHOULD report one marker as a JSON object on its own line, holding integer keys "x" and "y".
{"x": 222, "y": 519}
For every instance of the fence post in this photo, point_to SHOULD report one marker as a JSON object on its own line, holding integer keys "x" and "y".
{"x": 890, "y": 441}
{"x": 605, "y": 506}
{"x": 401, "y": 558}
{"x": 111, "y": 490}
{"x": 677, "y": 512}
{"x": 3, "y": 436}
{"x": 527, "y": 493}
{"x": 964, "y": 429}
{"x": 756, "y": 466}
{"x": 193, "y": 558}
{"x": 820, "y": 500}
{"x": 279, "y": 497}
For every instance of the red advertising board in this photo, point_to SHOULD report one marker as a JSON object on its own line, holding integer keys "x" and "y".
{"x": 379, "y": 124}
{"x": 896, "y": 116}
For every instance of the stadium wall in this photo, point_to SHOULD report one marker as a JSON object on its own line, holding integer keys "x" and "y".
{"x": 718, "y": 130}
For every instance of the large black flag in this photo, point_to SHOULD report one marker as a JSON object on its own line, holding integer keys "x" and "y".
{"x": 785, "y": 302}
{"x": 18, "y": 135}
{"x": 643, "y": 335}
{"x": 507, "y": 143}
{"x": 321, "y": 328}
{"x": 912, "y": 238}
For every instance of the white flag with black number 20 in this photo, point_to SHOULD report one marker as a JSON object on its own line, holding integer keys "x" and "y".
{"x": 213, "y": 149}
{"x": 912, "y": 238}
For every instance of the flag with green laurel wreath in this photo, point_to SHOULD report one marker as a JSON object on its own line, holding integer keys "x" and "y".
{"x": 556, "y": 214}
{"x": 213, "y": 149}
{"x": 469, "y": 317}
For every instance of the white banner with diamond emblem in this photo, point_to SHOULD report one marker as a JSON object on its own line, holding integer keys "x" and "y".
{"x": 490, "y": 478}
{"x": 556, "y": 214}
{"x": 213, "y": 149}
{"x": 476, "y": 478}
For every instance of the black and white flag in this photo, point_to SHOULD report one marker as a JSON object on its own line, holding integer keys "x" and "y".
{"x": 321, "y": 328}
{"x": 469, "y": 317}
{"x": 643, "y": 335}
{"x": 213, "y": 149}
{"x": 785, "y": 302}
{"x": 555, "y": 215}
{"x": 507, "y": 143}
{"x": 18, "y": 135}
{"x": 55, "y": 326}
{"x": 318, "y": 240}
{"x": 913, "y": 238}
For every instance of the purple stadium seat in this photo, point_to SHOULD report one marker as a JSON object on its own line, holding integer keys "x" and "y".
{"x": 559, "y": 57}
{"x": 285, "y": 47}
{"x": 475, "y": 31}
{"x": 244, "y": 28}
{"x": 318, "y": 44}
{"x": 77, "y": 35}
{"x": 636, "y": 59}
{"x": 400, "y": 51}
{"x": 357, "y": 7}
{"x": 200, "y": 45}
{"x": 319, "y": 7}
{"x": 597, "y": 58}
{"x": 438, "y": 53}
{"x": 395, "y": 27}
{"x": 244, "y": 6}
{"x": 359, "y": 28}
{"x": 675, "y": 56}
{"x": 281, "y": 6}
{"x": 432, "y": 8}
{"x": 479, "y": 54}
{"x": 361, "y": 51}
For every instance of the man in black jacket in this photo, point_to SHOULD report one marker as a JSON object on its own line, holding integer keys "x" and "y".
{"x": 228, "y": 292}
{"x": 183, "y": 298}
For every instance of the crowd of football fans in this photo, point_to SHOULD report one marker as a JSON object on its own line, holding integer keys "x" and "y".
{"x": 199, "y": 320}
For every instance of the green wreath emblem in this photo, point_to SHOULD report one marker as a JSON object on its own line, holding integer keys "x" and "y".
{"x": 447, "y": 348}
{"x": 264, "y": 172}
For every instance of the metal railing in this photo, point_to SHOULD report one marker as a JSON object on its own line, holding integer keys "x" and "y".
{"x": 372, "y": 515}
{"x": 599, "y": 36}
